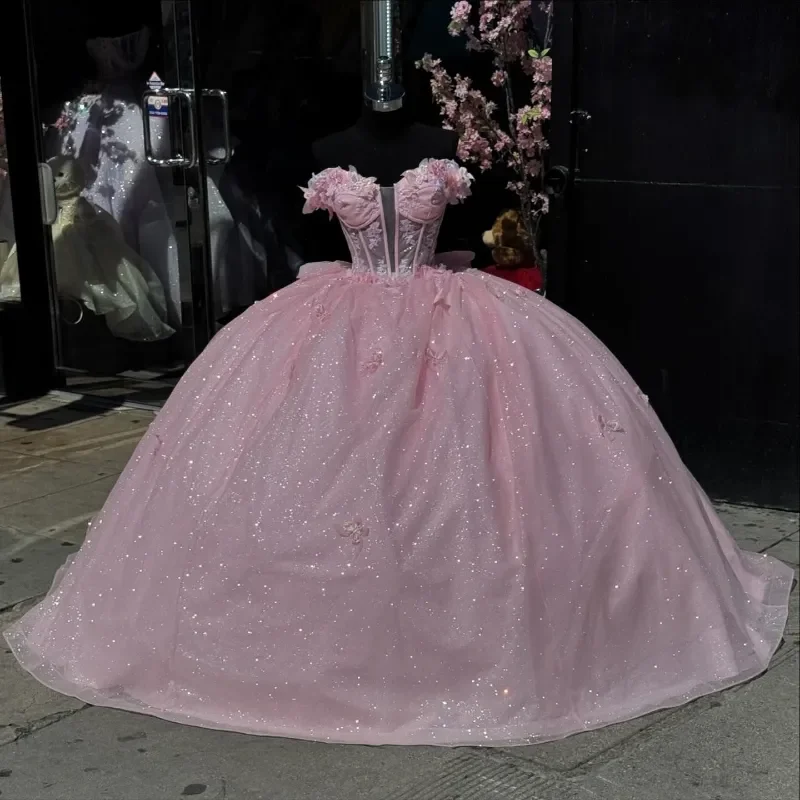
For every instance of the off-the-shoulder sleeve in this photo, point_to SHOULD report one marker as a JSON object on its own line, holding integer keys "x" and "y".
{"x": 319, "y": 193}
{"x": 457, "y": 182}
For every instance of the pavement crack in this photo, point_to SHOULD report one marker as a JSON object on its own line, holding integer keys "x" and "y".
{"x": 73, "y": 489}
{"x": 24, "y": 731}
{"x": 780, "y": 541}
{"x": 17, "y": 605}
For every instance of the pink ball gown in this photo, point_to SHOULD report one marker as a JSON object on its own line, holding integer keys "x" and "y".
{"x": 393, "y": 503}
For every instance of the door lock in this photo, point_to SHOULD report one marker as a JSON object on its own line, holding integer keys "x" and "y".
{"x": 47, "y": 193}
{"x": 556, "y": 179}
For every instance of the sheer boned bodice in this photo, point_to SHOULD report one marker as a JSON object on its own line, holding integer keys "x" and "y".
{"x": 390, "y": 230}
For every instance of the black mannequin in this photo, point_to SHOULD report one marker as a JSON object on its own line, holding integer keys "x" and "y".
{"x": 383, "y": 145}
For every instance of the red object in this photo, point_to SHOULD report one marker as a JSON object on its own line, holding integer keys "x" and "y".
{"x": 527, "y": 277}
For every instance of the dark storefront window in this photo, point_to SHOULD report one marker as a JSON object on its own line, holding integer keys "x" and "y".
{"x": 683, "y": 222}
{"x": 6, "y": 219}
{"x": 675, "y": 242}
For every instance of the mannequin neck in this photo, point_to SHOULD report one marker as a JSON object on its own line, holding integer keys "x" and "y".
{"x": 384, "y": 124}
{"x": 111, "y": 75}
{"x": 383, "y": 145}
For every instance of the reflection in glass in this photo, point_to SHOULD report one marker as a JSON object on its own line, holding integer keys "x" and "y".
{"x": 101, "y": 129}
{"x": 6, "y": 219}
{"x": 95, "y": 266}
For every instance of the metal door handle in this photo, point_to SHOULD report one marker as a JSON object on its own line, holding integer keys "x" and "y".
{"x": 226, "y": 126}
{"x": 179, "y": 160}
{"x": 47, "y": 193}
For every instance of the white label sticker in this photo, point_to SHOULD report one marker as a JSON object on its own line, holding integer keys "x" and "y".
{"x": 155, "y": 84}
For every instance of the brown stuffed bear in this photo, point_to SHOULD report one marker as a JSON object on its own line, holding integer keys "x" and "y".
{"x": 512, "y": 252}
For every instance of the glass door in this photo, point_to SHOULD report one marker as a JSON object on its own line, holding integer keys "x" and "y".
{"x": 174, "y": 145}
{"x": 172, "y": 138}
{"x": 124, "y": 195}
{"x": 253, "y": 145}
{"x": 272, "y": 78}
{"x": 227, "y": 266}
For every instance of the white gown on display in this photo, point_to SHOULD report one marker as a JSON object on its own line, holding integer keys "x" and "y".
{"x": 6, "y": 217}
{"x": 95, "y": 265}
{"x": 105, "y": 134}
{"x": 105, "y": 137}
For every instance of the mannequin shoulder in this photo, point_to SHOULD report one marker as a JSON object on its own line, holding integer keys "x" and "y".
{"x": 436, "y": 142}
{"x": 335, "y": 149}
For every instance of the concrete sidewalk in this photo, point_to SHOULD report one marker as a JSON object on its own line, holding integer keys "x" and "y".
{"x": 58, "y": 463}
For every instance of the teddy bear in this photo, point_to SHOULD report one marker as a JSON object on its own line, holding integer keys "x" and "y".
{"x": 512, "y": 252}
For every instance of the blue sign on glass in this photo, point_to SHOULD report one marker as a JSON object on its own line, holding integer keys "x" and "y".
{"x": 158, "y": 106}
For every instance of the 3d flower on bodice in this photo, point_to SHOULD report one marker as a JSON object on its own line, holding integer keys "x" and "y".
{"x": 390, "y": 230}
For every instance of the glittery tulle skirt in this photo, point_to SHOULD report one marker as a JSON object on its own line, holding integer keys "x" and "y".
{"x": 429, "y": 511}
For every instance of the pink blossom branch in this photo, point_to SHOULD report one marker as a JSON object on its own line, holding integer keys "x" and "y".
{"x": 503, "y": 28}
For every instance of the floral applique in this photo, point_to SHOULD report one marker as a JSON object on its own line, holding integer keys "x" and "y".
{"x": 374, "y": 236}
{"x": 429, "y": 238}
{"x": 356, "y": 531}
{"x": 455, "y": 180}
{"x": 64, "y": 122}
{"x": 434, "y": 359}
{"x": 376, "y": 245}
{"x": 357, "y": 250}
{"x": 373, "y": 363}
{"x": 323, "y": 187}
{"x": 609, "y": 427}
{"x": 320, "y": 312}
{"x": 409, "y": 234}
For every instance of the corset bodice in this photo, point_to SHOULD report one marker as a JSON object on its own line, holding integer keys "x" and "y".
{"x": 390, "y": 230}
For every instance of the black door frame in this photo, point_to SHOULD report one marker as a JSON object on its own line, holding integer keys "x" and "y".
{"x": 28, "y": 328}
{"x": 743, "y": 459}
{"x": 29, "y": 340}
{"x": 191, "y": 76}
{"x": 563, "y": 150}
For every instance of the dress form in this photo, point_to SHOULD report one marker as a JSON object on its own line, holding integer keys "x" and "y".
{"x": 383, "y": 145}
